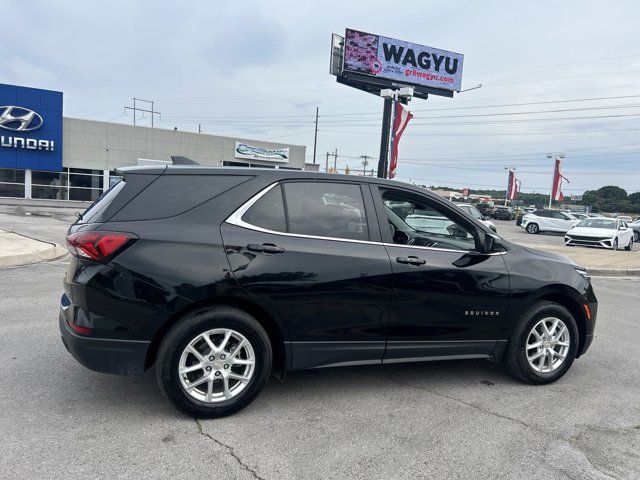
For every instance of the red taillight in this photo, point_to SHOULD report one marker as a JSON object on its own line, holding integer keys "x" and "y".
{"x": 79, "y": 328}
{"x": 98, "y": 245}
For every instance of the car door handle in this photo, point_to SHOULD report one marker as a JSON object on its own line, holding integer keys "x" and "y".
{"x": 411, "y": 260}
{"x": 265, "y": 248}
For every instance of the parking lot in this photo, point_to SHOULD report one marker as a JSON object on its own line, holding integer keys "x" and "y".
{"x": 462, "y": 419}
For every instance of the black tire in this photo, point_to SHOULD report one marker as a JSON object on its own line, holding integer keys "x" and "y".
{"x": 533, "y": 228}
{"x": 516, "y": 356}
{"x": 636, "y": 236}
{"x": 629, "y": 247}
{"x": 186, "y": 329}
{"x": 615, "y": 245}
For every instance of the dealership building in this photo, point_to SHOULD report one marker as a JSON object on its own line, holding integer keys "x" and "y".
{"x": 44, "y": 155}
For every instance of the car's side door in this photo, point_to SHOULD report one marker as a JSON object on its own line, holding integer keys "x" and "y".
{"x": 310, "y": 251}
{"x": 563, "y": 222}
{"x": 449, "y": 299}
{"x": 625, "y": 233}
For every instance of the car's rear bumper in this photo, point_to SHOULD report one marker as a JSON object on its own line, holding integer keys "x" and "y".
{"x": 123, "y": 357}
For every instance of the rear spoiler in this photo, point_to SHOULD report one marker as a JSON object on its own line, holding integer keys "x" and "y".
{"x": 183, "y": 161}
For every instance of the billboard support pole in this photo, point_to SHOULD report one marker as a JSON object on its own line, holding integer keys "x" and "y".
{"x": 383, "y": 161}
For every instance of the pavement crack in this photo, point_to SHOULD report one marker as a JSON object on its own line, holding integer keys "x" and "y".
{"x": 229, "y": 449}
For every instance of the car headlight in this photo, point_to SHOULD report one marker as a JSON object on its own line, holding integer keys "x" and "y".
{"x": 581, "y": 270}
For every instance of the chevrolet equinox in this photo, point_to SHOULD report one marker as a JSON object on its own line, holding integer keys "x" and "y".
{"x": 219, "y": 277}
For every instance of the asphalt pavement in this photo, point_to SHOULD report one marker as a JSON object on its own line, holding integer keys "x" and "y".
{"x": 465, "y": 419}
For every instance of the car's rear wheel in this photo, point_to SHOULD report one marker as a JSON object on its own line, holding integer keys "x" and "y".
{"x": 214, "y": 362}
{"x": 636, "y": 236}
{"x": 629, "y": 247}
{"x": 533, "y": 228}
{"x": 543, "y": 345}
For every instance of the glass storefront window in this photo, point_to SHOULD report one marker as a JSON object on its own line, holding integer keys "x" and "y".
{"x": 11, "y": 175}
{"x": 48, "y": 192}
{"x": 54, "y": 179}
{"x": 11, "y": 190}
{"x": 89, "y": 181}
{"x": 12, "y": 182}
{"x": 84, "y": 194}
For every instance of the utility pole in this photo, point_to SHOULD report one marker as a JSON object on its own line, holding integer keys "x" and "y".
{"x": 335, "y": 160}
{"x": 315, "y": 137}
{"x": 136, "y": 109}
{"x": 365, "y": 162}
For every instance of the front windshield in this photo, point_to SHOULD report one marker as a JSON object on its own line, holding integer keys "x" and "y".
{"x": 598, "y": 223}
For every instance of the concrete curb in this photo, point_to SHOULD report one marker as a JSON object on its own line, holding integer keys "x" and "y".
{"x": 613, "y": 272}
{"x": 52, "y": 253}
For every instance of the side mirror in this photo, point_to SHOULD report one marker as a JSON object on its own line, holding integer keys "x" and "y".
{"x": 492, "y": 243}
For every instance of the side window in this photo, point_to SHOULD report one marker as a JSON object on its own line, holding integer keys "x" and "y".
{"x": 415, "y": 221}
{"x": 475, "y": 213}
{"x": 326, "y": 210}
{"x": 268, "y": 212}
{"x": 541, "y": 213}
{"x": 560, "y": 216}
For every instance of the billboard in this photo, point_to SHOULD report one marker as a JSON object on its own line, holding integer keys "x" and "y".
{"x": 405, "y": 62}
{"x": 30, "y": 128}
{"x": 258, "y": 153}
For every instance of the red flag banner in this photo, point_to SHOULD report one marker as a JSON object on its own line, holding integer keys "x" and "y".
{"x": 556, "y": 190}
{"x": 513, "y": 187}
{"x": 400, "y": 120}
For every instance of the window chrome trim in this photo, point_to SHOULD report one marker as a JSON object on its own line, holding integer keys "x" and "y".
{"x": 236, "y": 219}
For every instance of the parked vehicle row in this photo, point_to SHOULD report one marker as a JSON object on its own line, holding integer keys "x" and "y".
{"x": 219, "y": 277}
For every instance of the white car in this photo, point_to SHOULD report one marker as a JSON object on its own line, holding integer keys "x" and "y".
{"x": 548, "y": 221}
{"x": 475, "y": 213}
{"x": 600, "y": 232}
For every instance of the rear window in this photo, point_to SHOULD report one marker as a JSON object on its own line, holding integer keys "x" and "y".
{"x": 172, "y": 195}
{"x": 95, "y": 212}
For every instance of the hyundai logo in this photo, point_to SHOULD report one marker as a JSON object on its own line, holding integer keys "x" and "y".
{"x": 19, "y": 119}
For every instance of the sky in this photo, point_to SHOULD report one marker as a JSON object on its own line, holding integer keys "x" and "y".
{"x": 557, "y": 77}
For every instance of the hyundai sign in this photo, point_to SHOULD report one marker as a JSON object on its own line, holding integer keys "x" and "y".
{"x": 30, "y": 128}
{"x": 402, "y": 61}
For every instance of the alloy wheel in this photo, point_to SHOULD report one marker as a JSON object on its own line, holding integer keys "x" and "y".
{"x": 615, "y": 244}
{"x": 548, "y": 345}
{"x": 532, "y": 228}
{"x": 216, "y": 365}
{"x": 636, "y": 236}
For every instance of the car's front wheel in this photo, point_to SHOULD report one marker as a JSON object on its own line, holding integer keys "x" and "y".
{"x": 636, "y": 236}
{"x": 615, "y": 245}
{"x": 214, "y": 362}
{"x": 533, "y": 228}
{"x": 629, "y": 247}
{"x": 543, "y": 344}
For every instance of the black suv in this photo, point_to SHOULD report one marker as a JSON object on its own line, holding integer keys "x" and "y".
{"x": 220, "y": 277}
{"x": 502, "y": 213}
